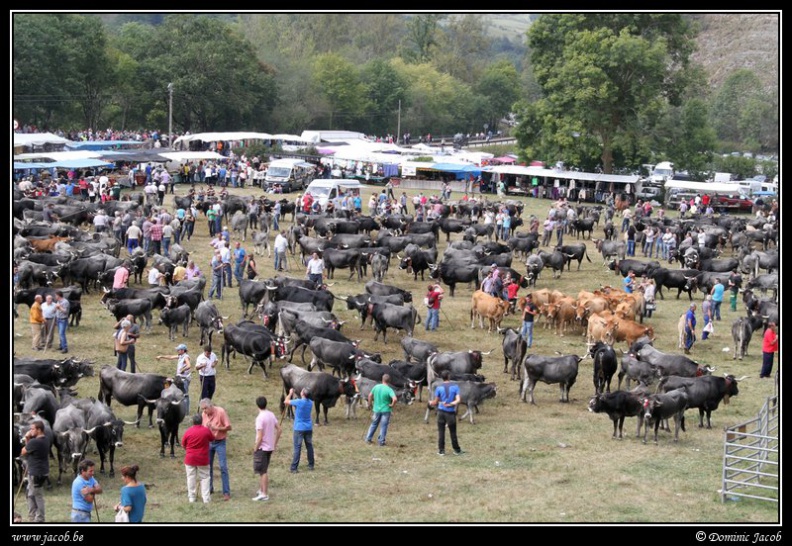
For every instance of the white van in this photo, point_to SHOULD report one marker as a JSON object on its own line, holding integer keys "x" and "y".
{"x": 292, "y": 174}
{"x": 327, "y": 189}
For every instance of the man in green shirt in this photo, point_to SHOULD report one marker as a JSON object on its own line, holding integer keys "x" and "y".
{"x": 381, "y": 400}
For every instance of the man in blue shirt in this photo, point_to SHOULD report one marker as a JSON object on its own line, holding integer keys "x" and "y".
{"x": 240, "y": 255}
{"x": 690, "y": 328}
{"x": 717, "y": 298}
{"x": 303, "y": 427}
{"x": 446, "y": 399}
{"x": 84, "y": 488}
{"x": 629, "y": 282}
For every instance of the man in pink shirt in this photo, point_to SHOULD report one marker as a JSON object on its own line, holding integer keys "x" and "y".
{"x": 216, "y": 420}
{"x": 268, "y": 432}
{"x": 121, "y": 277}
{"x": 196, "y": 442}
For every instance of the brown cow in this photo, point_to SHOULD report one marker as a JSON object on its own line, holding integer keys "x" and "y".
{"x": 631, "y": 306}
{"x": 630, "y": 331}
{"x": 601, "y": 329}
{"x": 47, "y": 245}
{"x": 485, "y": 306}
{"x": 564, "y": 314}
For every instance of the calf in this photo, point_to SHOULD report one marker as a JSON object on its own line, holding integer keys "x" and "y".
{"x": 618, "y": 405}
{"x": 485, "y": 306}
{"x": 742, "y": 330}
{"x": 605, "y": 365}
{"x": 172, "y": 318}
{"x": 633, "y": 369}
{"x": 471, "y": 393}
{"x": 658, "y": 407}
{"x": 514, "y": 349}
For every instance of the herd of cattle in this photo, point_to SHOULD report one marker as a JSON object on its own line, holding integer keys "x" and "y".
{"x": 291, "y": 314}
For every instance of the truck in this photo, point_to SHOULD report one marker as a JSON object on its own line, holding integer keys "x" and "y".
{"x": 289, "y": 174}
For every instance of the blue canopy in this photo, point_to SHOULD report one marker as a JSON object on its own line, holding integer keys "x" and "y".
{"x": 86, "y": 163}
{"x": 21, "y": 165}
{"x": 102, "y": 144}
{"x": 460, "y": 170}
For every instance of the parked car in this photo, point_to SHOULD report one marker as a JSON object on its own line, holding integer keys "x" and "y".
{"x": 738, "y": 202}
{"x": 649, "y": 193}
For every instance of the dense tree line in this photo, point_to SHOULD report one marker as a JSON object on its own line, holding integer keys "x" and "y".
{"x": 589, "y": 89}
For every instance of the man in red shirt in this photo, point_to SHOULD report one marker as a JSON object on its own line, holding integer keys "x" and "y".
{"x": 769, "y": 348}
{"x": 156, "y": 237}
{"x": 216, "y": 420}
{"x": 196, "y": 442}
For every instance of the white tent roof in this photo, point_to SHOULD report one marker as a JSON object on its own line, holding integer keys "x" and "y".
{"x": 59, "y": 156}
{"x": 217, "y": 136}
{"x": 187, "y": 156}
{"x": 711, "y": 187}
{"x": 564, "y": 175}
{"x": 38, "y": 139}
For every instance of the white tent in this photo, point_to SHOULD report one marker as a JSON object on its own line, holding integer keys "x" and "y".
{"x": 38, "y": 139}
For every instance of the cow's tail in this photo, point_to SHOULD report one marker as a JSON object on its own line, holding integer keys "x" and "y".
{"x": 585, "y": 253}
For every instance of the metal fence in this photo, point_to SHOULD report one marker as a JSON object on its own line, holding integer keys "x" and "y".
{"x": 750, "y": 456}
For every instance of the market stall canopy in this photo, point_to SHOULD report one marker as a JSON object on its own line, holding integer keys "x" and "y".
{"x": 729, "y": 188}
{"x": 102, "y": 144}
{"x": 562, "y": 175}
{"x": 84, "y": 163}
{"x": 190, "y": 156}
{"x": 135, "y": 156}
{"x": 48, "y": 157}
{"x": 223, "y": 136}
{"x": 504, "y": 159}
{"x": 38, "y": 139}
{"x": 459, "y": 170}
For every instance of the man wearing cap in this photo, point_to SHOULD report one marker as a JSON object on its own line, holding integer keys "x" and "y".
{"x": 183, "y": 367}
{"x": 303, "y": 427}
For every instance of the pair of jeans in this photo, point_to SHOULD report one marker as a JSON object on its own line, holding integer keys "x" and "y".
{"x": 217, "y": 286}
{"x": 381, "y": 419}
{"x": 208, "y": 383}
{"x": 527, "y": 332}
{"x": 165, "y": 245}
{"x": 63, "y": 323}
{"x": 227, "y": 274}
{"x": 218, "y": 447}
{"x": 432, "y": 319}
{"x": 80, "y": 516}
{"x": 280, "y": 260}
{"x": 238, "y": 271}
{"x": 689, "y": 338}
{"x": 121, "y": 363}
{"x": 631, "y": 247}
{"x": 716, "y": 305}
{"x": 301, "y": 436}
{"x": 767, "y": 364}
{"x": 446, "y": 419}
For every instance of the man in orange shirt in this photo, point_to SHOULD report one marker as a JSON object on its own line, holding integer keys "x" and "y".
{"x": 216, "y": 420}
{"x": 37, "y": 323}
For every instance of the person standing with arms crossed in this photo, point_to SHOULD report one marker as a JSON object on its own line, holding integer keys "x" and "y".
{"x": 36, "y": 450}
{"x": 62, "y": 307}
{"x": 381, "y": 399}
{"x": 216, "y": 420}
{"x": 446, "y": 399}
{"x": 84, "y": 491}
{"x": 268, "y": 432}
{"x": 303, "y": 428}
{"x": 769, "y": 348}
{"x": 50, "y": 324}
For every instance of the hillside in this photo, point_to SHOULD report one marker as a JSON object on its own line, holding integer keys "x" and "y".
{"x": 739, "y": 40}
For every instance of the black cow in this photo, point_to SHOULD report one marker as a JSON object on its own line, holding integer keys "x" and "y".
{"x": 360, "y": 303}
{"x": 125, "y": 388}
{"x": 288, "y": 316}
{"x": 156, "y": 295}
{"x": 305, "y": 332}
{"x": 253, "y": 341}
{"x": 605, "y": 365}
{"x": 582, "y": 225}
{"x": 375, "y": 370}
{"x": 379, "y": 264}
{"x": 523, "y": 245}
{"x": 40, "y": 401}
{"x": 471, "y": 394}
{"x": 385, "y": 315}
{"x": 209, "y": 319}
{"x": 514, "y": 349}
{"x": 107, "y": 432}
{"x": 622, "y": 267}
{"x": 459, "y": 362}
{"x": 670, "y": 364}
{"x": 555, "y": 260}
{"x": 364, "y": 386}
{"x": 174, "y": 317}
{"x": 172, "y": 406}
{"x": 548, "y": 369}
{"x": 661, "y": 406}
{"x": 452, "y": 273}
{"x": 764, "y": 282}
{"x": 417, "y": 262}
{"x": 452, "y": 225}
{"x": 55, "y": 373}
{"x": 681, "y": 279}
{"x": 414, "y": 372}
{"x": 339, "y": 355}
{"x": 139, "y": 308}
{"x": 324, "y": 389}
{"x": 71, "y": 438}
{"x": 417, "y": 349}
{"x": 720, "y": 265}
{"x": 342, "y": 259}
{"x": 322, "y": 299}
{"x": 704, "y": 393}
{"x": 534, "y": 265}
{"x": 618, "y": 405}
{"x": 251, "y": 293}
{"x": 379, "y": 289}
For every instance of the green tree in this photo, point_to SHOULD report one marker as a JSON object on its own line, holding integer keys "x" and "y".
{"x": 421, "y": 37}
{"x": 338, "y": 83}
{"x": 385, "y": 87}
{"x": 694, "y": 139}
{"x": 738, "y": 108}
{"x": 463, "y": 48}
{"x": 742, "y": 167}
{"x": 605, "y": 72}
{"x": 498, "y": 89}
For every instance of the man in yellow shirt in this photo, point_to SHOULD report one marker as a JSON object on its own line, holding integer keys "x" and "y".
{"x": 37, "y": 323}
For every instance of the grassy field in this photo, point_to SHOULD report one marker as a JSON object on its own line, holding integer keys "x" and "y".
{"x": 552, "y": 462}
